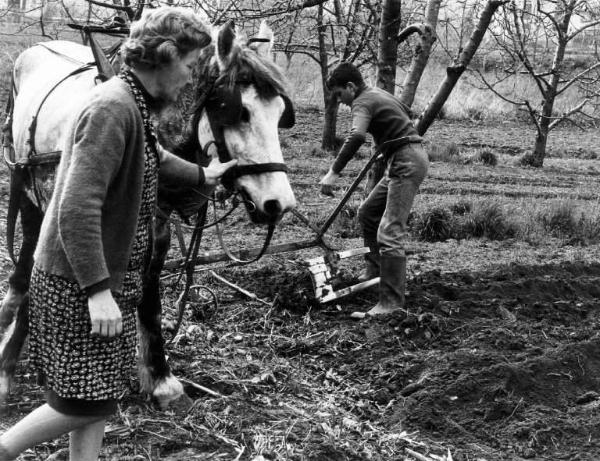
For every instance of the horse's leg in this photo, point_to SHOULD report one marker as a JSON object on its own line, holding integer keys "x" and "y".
{"x": 10, "y": 348}
{"x": 13, "y": 330}
{"x": 155, "y": 375}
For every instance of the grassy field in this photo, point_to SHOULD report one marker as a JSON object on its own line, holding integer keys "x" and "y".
{"x": 496, "y": 359}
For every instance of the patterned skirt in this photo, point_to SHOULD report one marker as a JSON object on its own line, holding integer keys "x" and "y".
{"x": 69, "y": 361}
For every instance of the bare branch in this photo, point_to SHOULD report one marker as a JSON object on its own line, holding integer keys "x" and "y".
{"x": 566, "y": 115}
{"x": 577, "y": 78}
{"x": 454, "y": 72}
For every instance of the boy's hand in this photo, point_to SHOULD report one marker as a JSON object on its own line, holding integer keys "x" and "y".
{"x": 327, "y": 183}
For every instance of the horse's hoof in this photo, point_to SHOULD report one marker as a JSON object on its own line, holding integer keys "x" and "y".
{"x": 180, "y": 405}
{"x": 166, "y": 391}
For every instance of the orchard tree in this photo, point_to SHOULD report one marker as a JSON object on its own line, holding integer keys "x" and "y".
{"x": 389, "y": 40}
{"x": 426, "y": 33}
{"x": 527, "y": 34}
{"x": 460, "y": 64}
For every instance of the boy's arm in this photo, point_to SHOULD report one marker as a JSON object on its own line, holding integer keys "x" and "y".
{"x": 361, "y": 118}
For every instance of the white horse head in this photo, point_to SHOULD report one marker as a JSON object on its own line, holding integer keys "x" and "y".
{"x": 253, "y": 104}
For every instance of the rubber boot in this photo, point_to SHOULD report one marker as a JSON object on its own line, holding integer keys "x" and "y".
{"x": 371, "y": 270}
{"x": 391, "y": 287}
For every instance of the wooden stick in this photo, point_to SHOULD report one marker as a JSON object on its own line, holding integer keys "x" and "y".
{"x": 201, "y": 388}
{"x": 416, "y": 455}
{"x": 240, "y": 289}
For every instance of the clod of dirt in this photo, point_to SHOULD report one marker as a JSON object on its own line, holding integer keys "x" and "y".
{"x": 587, "y": 398}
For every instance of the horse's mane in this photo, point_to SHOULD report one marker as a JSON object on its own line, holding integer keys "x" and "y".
{"x": 247, "y": 67}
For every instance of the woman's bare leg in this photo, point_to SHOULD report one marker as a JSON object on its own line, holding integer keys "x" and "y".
{"x": 42, "y": 424}
{"x": 85, "y": 442}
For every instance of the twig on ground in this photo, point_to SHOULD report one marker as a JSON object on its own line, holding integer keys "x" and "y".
{"x": 240, "y": 289}
{"x": 201, "y": 388}
{"x": 416, "y": 455}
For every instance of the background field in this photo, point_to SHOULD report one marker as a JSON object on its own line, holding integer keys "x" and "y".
{"x": 497, "y": 360}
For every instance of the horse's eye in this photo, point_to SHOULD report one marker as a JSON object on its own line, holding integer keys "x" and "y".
{"x": 245, "y": 116}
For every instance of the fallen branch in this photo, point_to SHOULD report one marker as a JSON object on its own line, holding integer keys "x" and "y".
{"x": 417, "y": 456}
{"x": 201, "y": 388}
{"x": 240, "y": 289}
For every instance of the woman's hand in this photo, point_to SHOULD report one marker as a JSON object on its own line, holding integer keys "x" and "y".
{"x": 105, "y": 315}
{"x": 216, "y": 169}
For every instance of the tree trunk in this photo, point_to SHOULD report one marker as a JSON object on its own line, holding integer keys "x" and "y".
{"x": 329, "y": 141}
{"x": 536, "y": 158}
{"x": 454, "y": 72}
{"x": 387, "y": 54}
{"x": 329, "y": 101}
{"x": 387, "y": 58}
{"x": 419, "y": 61}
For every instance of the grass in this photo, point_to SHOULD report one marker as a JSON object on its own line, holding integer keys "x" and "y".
{"x": 491, "y": 219}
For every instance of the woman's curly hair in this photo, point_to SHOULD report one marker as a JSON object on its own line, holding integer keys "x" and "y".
{"x": 162, "y": 35}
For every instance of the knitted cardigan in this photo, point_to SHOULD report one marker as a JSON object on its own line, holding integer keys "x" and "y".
{"x": 89, "y": 227}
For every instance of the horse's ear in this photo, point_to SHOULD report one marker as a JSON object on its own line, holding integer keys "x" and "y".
{"x": 225, "y": 42}
{"x": 263, "y": 48}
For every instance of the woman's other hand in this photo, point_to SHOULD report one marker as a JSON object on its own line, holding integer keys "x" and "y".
{"x": 105, "y": 315}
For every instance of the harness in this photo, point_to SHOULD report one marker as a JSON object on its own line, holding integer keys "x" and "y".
{"x": 21, "y": 169}
{"x": 223, "y": 104}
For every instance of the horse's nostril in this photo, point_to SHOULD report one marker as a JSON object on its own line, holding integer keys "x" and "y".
{"x": 273, "y": 207}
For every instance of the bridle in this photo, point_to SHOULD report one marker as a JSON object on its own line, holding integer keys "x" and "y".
{"x": 223, "y": 105}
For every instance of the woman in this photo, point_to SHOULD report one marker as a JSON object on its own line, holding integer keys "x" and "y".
{"x": 95, "y": 240}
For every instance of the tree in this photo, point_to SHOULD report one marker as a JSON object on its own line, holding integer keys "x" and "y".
{"x": 389, "y": 41}
{"x": 387, "y": 55}
{"x": 454, "y": 71}
{"x": 350, "y": 32}
{"x": 422, "y": 51}
{"x": 387, "y": 63}
{"x": 527, "y": 35}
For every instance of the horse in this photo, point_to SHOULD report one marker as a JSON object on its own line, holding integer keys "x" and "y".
{"x": 240, "y": 101}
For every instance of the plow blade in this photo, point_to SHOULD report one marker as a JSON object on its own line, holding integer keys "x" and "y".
{"x": 323, "y": 270}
